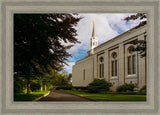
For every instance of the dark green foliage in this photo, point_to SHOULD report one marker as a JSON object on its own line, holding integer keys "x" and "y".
{"x": 38, "y": 44}
{"x": 80, "y": 88}
{"x": 126, "y": 87}
{"x": 19, "y": 84}
{"x": 143, "y": 89}
{"x": 64, "y": 87}
{"x": 140, "y": 47}
{"x": 99, "y": 85}
{"x": 37, "y": 41}
{"x": 35, "y": 85}
{"x": 70, "y": 87}
{"x": 137, "y": 16}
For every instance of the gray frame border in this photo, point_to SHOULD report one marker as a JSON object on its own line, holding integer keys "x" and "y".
{"x": 70, "y": 3}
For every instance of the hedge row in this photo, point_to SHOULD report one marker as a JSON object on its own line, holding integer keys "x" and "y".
{"x": 70, "y": 88}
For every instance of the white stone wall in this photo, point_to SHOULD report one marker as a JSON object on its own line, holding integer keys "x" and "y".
{"x": 113, "y": 79}
{"x": 78, "y": 72}
{"x": 120, "y": 45}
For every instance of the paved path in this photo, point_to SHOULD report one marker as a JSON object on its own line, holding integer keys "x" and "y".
{"x": 57, "y": 95}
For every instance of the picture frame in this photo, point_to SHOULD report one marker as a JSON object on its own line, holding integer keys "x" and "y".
{"x": 9, "y": 7}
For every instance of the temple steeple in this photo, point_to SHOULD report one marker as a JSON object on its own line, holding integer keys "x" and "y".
{"x": 94, "y": 41}
{"x": 93, "y": 32}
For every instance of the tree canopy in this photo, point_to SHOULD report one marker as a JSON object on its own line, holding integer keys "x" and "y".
{"x": 136, "y": 16}
{"x": 38, "y": 47}
{"x": 37, "y": 41}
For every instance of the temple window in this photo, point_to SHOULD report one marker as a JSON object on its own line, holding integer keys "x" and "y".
{"x": 114, "y": 64}
{"x": 131, "y": 59}
{"x": 101, "y": 67}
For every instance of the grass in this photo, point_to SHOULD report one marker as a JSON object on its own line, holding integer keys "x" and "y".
{"x": 31, "y": 97}
{"x": 109, "y": 97}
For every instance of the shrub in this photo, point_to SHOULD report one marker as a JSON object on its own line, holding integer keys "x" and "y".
{"x": 126, "y": 87}
{"x": 64, "y": 87}
{"x": 143, "y": 89}
{"x": 80, "y": 88}
{"x": 99, "y": 85}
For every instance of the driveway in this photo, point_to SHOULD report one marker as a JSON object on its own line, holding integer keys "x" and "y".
{"x": 57, "y": 95}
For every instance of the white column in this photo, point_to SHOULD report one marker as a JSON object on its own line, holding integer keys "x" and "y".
{"x": 121, "y": 64}
{"x": 141, "y": 67}
{"x": 95, "y": 66}
{"x": 106, "y": 65}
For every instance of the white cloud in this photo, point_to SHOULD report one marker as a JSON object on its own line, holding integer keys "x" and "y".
{"x": 107, "y": 26}
{"x": 69, "y": 67}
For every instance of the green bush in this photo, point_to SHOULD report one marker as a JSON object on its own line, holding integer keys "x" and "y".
{"x": 64, "y": 87}
{"x": 143, "y": 89}
{"x": 126, "y": 87}
{"x": 80, "y": 88}
{"x": 99, "y": 85}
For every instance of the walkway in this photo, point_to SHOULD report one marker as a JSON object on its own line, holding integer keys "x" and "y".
{"x": 57, "y": 95}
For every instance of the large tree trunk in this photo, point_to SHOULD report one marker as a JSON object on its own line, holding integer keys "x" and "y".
{"x": 41, "y": 86}
{"x": 45, "y": 87}
{"x": 28, "y": 86}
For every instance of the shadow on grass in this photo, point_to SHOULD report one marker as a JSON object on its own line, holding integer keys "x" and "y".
{"x": 31, "y": 97}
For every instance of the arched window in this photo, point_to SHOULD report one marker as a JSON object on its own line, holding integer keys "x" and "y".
{"x": 114, "y": 64}
{"x": 131, "y": 59}
{"x": 101, "y": 67}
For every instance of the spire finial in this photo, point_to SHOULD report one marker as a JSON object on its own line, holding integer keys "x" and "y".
{"x": 93, "y": 33}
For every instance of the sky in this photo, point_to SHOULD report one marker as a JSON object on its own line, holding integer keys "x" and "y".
{"x": 107, "y": 26}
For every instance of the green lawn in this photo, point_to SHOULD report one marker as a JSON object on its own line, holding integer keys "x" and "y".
{"x": 31, "y": 97}
{"x": 109, "y": 97}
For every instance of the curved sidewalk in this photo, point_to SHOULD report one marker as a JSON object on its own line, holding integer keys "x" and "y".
{"x": 58, "y": 95}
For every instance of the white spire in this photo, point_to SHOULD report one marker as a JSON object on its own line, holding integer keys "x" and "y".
{"x": 94, "y": 41}
{"x": 93, "y": 32}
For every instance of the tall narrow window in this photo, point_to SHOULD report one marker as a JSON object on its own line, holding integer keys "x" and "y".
{"x": 129, "y": 65}
{"x": 84, "y": 74}
{"x": 101, "y": 67}
{"x": 134, "y": 64}
{"x": 112, "y": 68}
{"x": 131, "y": 61}
{"x": 114, "y": 64}
{"x": 102, "y": 70}
{"x": 115, "y": 67}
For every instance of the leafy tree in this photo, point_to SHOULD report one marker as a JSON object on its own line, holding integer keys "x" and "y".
{"x": 140, "y": 44}
{"x": 99, "y": 85}
{"x": 60, "y": 80}
{"x": 69, "y": 78}
{"x": 19, "y": 84}
{"x": 35, "y": 85}
{"x": 38, "y": 43}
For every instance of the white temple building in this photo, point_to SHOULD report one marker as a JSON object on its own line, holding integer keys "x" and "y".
{"x": 113, "y": 61}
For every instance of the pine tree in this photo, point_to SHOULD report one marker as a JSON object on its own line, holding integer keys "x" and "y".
{"x": 38, "y": 42}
